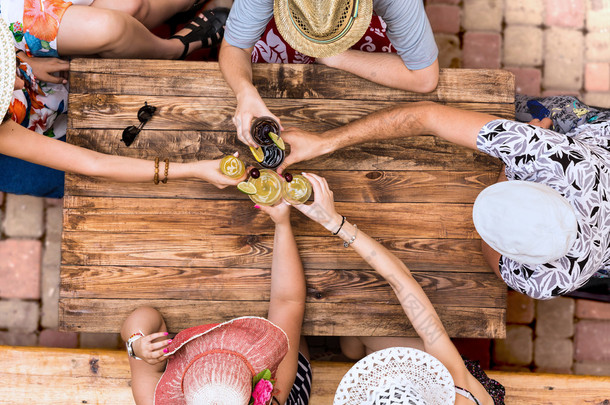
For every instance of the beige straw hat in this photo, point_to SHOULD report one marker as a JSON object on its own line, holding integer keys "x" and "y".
{"x": 7, "y": 67}
{"x": 322, "y": 28}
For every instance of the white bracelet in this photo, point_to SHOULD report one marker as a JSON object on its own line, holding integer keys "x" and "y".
{"x": 129, "y": 344}
{"x": 352, "y": 239}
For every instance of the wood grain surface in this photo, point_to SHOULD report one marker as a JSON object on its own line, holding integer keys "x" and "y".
{"x": 52, "y": 376}
{"x": 200, "y": 254}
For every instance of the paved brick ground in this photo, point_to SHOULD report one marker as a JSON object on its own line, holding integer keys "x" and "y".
{"x": 552, "y": 46}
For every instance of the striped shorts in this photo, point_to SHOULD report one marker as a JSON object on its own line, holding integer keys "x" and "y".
{"x": 299, "y": 394}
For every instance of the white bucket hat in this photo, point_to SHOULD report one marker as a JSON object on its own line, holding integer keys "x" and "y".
{"x": 396, "y": 376}
{"x": 528, "y": 222}
{"x": 7, "y": 67}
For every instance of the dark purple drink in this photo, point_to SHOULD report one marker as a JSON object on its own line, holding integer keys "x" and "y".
{"x": 274, "y": 156}
{"x": 260, "y": 130}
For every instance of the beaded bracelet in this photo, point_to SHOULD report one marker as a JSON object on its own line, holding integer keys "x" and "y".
{"x": 156, "y": 178}
{"x": 164, "y": 181}
{"x": 340, "y": 226}
{"x": 352, "y": 239}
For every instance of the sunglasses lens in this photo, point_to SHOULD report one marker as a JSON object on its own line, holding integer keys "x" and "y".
{"x": 129, "y": 134}
{"x": 145, "y": 113}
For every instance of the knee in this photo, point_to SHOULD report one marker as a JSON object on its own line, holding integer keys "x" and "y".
{"x": 138, "y": 319}
{"x": 112, "y": 27}
{"x": 352, "y": 347}
{"x": 138, "y": 9}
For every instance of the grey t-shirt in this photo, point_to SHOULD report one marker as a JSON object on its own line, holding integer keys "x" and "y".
{"x": 408, "y": 27}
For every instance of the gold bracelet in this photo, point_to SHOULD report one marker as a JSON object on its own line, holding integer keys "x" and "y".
{"x": 164, "y": 181}
{"x": 156, "y": 178}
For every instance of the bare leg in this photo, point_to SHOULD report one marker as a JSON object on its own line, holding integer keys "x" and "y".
{"x": 144, "y": 376}
{"x": 150, "y": 13}
{"x": 356, "y": 347}
{"x": 113, "y": 34}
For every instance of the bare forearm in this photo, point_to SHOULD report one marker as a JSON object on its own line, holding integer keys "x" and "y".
{"x": 287, "y": 278}
{"x": 236, "y": 68}
{"x": 387, "y": 69}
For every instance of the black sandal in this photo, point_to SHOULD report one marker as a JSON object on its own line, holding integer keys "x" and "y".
{"x": 185, "y": 16}
{"x": 209, "y": 28}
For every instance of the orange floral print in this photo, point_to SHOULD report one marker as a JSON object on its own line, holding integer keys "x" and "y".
{"x": 41, "y": 17}
{"x": 17, "y": 110}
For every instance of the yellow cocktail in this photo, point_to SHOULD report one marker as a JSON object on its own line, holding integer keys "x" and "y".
{"x": 297, "y": 190}
{"x": 232, "y": 167}
{"x": 268, "y": 187}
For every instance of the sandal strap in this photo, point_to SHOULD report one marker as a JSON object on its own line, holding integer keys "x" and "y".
{"x": 210, "y": 29}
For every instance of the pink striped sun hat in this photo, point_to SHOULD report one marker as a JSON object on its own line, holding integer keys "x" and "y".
{"x": 216, "y": 363}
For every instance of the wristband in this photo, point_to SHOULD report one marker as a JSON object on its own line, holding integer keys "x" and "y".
{"x": 340, "y": 226}
{"x": 129, "y": 344}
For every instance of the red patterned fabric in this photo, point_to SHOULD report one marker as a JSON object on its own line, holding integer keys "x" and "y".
{"x": 272, "y": 48}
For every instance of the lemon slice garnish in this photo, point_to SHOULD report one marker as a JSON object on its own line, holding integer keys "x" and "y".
{"x": 258, "y": 153}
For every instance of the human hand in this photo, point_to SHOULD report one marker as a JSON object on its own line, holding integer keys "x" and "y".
{"x": 45, "y": 69}
{"x": 150, "y": 351}
{"x": 323, "y": 208}
{"x": 209, "y": 170}
{"x": 279, "y": 213}
{"x": 304, "y": 145}
{"x": 544, "y": 123}
{"x": 250, "y": 105}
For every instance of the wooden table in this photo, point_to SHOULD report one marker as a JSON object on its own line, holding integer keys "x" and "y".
{"x": 203, "y": 255}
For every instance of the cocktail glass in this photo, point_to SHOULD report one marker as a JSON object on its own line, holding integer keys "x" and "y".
{"x": 232, "y": 167}
{"x": 273, "y": 156}
{"x": 297, "y": 190}
{"x": 268, "y": 188}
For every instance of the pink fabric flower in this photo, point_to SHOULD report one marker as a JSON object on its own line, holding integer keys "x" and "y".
{"x": 262, "y": 392}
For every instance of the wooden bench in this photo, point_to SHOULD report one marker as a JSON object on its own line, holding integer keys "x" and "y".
{"x": 84, "y": 376}
{"x": 201, "y": 255}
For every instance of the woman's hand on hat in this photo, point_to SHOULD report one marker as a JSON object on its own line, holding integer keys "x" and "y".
{"x": 250, "y": 105}
{"x": 323, "y": 208}
{"x": 304, "y": 145}
{"x": 279, "y": 213}
{"x": 150, "y": 351}
{"x": 50, "y": 70}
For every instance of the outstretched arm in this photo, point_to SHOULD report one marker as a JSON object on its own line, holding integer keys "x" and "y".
{"x": 413, "y": 300}
{"x": 387, "y": 69}
{"x": 423, "y": 118}
{"x": 236, "y": 68}
{"x": 287, "y": 301}
{"x": 21, "y": 143}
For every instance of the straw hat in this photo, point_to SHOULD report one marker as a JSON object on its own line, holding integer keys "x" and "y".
{"x": 525, "y": 221}
{"x": 7, "y": 67}
{"x": 216, "y": 363}
{"x": 396, "y": 376}
{"x": 322, "y": 28}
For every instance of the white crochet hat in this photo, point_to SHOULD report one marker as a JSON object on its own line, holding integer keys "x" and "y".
{"x": 7, "y": 67}
{"x": 525, "y": 221}
{"x": 396, "y": 376}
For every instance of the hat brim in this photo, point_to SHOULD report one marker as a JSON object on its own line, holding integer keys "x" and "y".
{"x": 283, "y": 21}
{"x": 424, "y": 372}
{"x": 259, "y": 340}
{"x": 7, "y": 67}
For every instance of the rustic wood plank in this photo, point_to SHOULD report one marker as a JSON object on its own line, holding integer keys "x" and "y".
{"x": 278, "y": 81}
{"x": 185, "y": 217}
{"x": 321, "y": 319}
{"x": 255, "y": 251}
{"x": 521, "y": 388}
{"x": 67, "y": 376}
{"x": 420, "y": 153}
{"x": 348, "y": 186}
{"x": 443, "y": 288}
{"x": 215, "y": 114}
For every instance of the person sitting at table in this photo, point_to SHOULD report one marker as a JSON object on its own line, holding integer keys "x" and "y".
{"x": 465, "y": 383}
{"x": 546, "y": 231}
{"x": 111, "y": 28}
{"x": 33, "y": 155}
{"x": 217, "y": 363}
{"x": 325, "y": 30}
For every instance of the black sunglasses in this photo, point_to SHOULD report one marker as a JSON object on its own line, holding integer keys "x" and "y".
{"x": 145, "y": 113}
